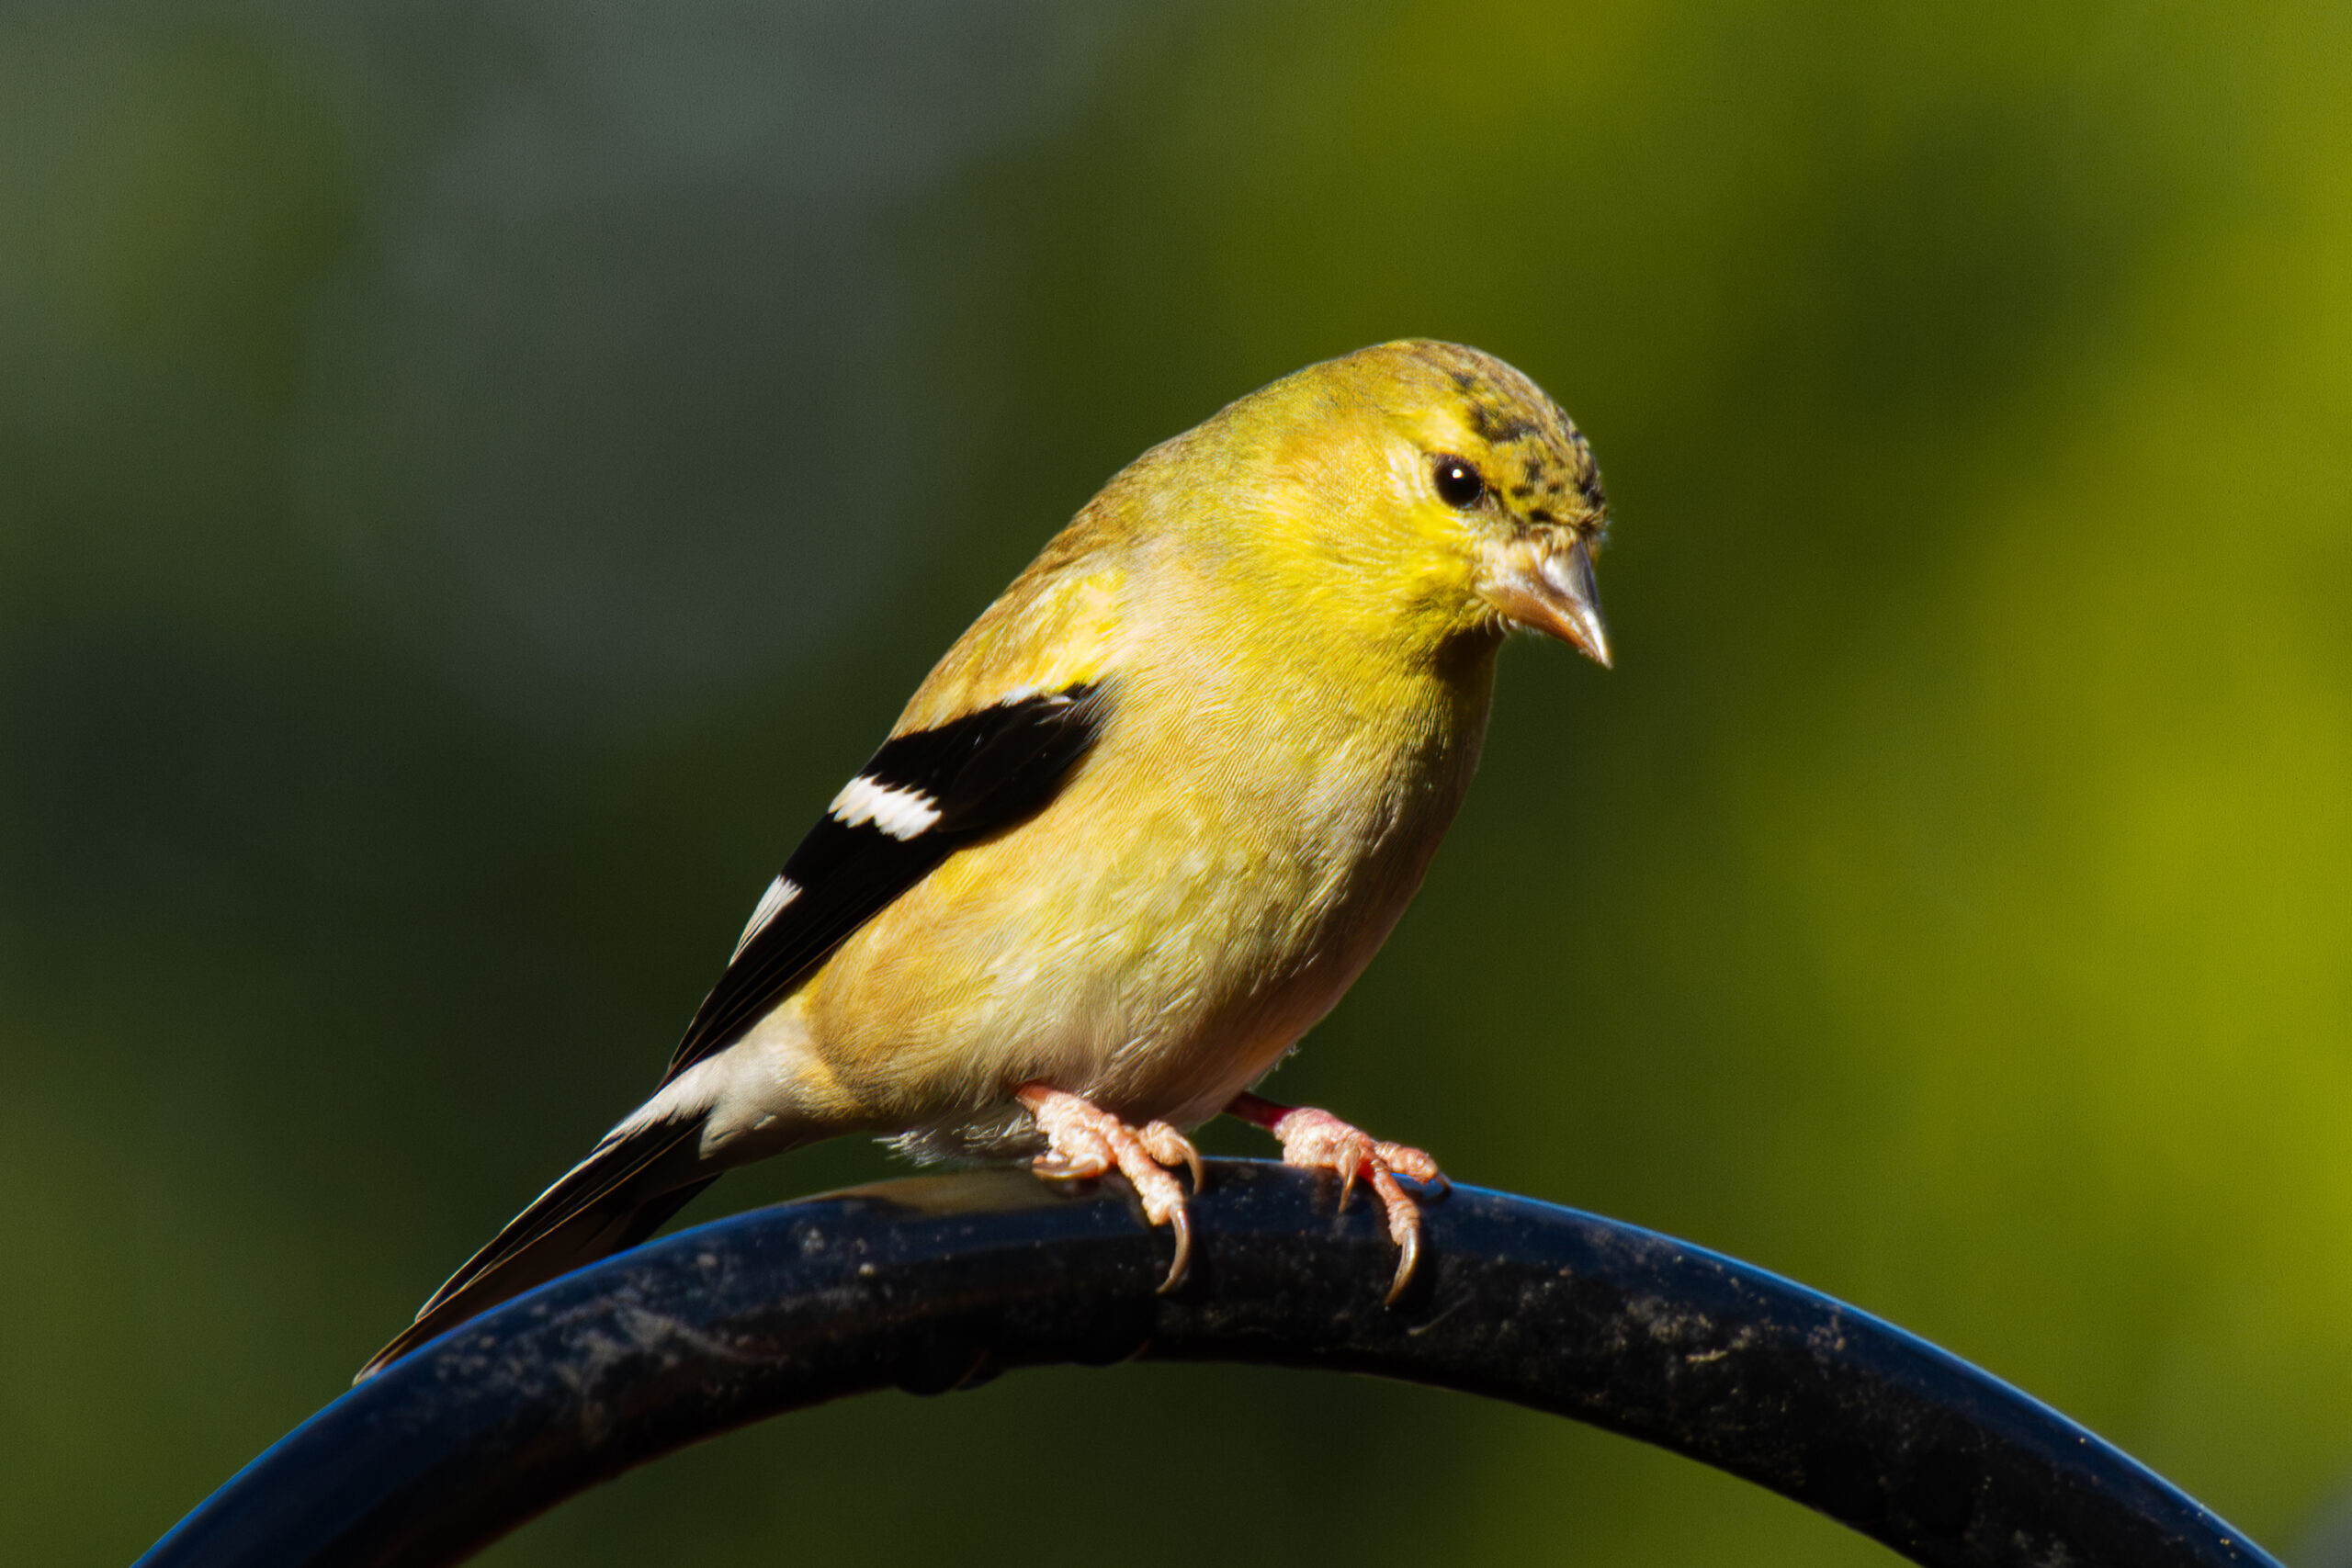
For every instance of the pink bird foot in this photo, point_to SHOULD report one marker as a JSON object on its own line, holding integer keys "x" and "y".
{"x": 1317, "y": 1140}
{"x": 1083, "y": 1141}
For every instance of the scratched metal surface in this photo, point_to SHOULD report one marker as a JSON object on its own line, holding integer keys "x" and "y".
{"x": 937, "y": 1283}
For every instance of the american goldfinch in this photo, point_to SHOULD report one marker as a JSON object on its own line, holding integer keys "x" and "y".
{"x": 1142, "y": 825}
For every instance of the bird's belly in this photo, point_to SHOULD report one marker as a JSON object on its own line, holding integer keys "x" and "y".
{"x": 1157, "y": 973}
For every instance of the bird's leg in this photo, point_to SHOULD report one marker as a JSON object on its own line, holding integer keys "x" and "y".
{"x": 1317, "y": 1140}
{"x": 1083, "y": 1140}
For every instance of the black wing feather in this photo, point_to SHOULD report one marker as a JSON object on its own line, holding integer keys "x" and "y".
{"x": 982, "y": 773}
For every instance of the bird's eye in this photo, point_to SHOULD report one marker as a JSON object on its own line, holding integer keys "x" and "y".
{"x": 1459, "y": 484}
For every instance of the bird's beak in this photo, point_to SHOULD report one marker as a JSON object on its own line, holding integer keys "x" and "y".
{"x": 1550, "y": 590}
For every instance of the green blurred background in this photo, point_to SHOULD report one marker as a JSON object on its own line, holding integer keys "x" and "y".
{"x": 475, "y": 477}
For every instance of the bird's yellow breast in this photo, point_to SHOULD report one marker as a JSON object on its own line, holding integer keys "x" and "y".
{"x": 1236, "y": 848}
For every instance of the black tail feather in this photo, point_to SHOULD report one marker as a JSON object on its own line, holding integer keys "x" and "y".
{"x": 615, "y": 1198}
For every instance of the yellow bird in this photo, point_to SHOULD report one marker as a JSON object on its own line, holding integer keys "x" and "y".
{"x": 1142, "y": 825}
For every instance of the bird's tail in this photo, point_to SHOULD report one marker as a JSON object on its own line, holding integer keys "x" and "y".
{"x": 643, "y": 1172}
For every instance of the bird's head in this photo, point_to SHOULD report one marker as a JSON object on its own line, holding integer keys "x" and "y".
{"x": 1438, "y": 473}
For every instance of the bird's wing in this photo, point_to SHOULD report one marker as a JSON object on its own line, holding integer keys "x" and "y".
{"x": 922, "y": 796}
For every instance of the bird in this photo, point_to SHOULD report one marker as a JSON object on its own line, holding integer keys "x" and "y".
{"x": 1141, "y": 827}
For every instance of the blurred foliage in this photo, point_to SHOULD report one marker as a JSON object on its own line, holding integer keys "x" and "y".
{"x": 474, "y": 477}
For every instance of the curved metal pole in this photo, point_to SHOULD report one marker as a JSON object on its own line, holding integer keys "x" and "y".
{"x": 935, "y": 1283}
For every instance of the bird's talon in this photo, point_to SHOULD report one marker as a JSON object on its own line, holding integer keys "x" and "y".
{"x": 1408, "y": 1257}
{"x": 1179, "y": 1220}
{"x": 1317, "y": 1140}
{"x": 1083, "y": 1139}
{"x": 1171, "y": 1147}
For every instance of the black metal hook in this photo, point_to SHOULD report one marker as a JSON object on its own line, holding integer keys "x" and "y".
{"x": 935, "y": 1283}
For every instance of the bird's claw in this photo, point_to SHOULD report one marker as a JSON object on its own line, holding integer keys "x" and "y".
{"x": 1317, "y": 1140}
{"x": 1084, "y": 1141}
